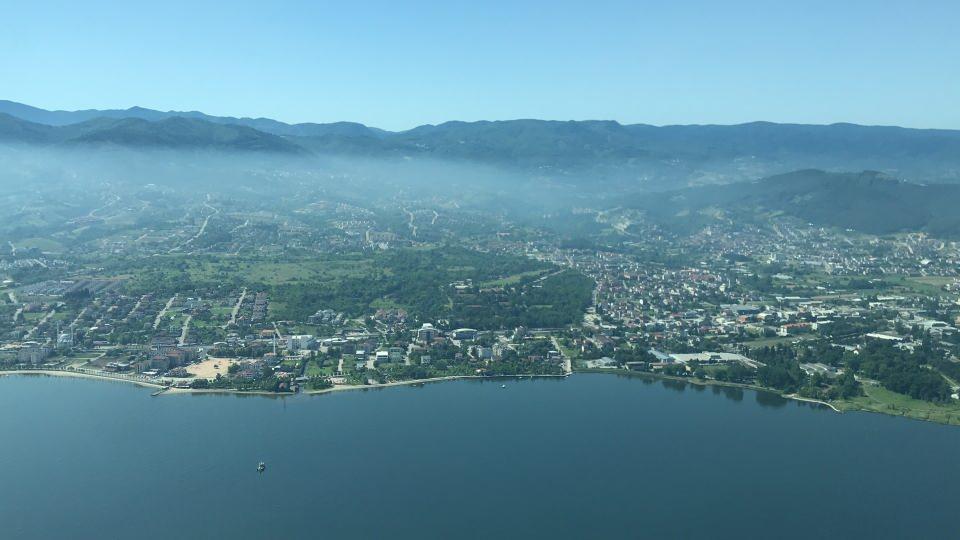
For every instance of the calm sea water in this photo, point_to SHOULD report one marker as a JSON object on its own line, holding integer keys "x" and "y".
{"x": 592, "y": 456}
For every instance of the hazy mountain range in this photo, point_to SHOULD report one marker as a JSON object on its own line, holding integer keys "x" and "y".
{"x": 867, "y": 201}
{"x": 683, "y": 176}
{"x": 575, "y": 151}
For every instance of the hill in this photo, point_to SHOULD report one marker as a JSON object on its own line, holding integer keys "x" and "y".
{"x": 868, "y": 201}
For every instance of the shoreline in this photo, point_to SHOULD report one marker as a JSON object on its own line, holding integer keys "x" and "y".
{"x": 167, "y": 389}
{"x": 812, "y": 400}
{"x": 163, "y": 389}
{"x": 79, "y": 375}
{"x": 348, "y": 387}
{"x": 712, "y": 382}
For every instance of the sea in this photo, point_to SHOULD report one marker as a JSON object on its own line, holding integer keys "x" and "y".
{"x": 588, "y": 456}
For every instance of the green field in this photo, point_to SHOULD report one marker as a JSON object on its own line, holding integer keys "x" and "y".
{"x": 881, "y": 400}
{"x": 779, "y": 340}
{"x": 513, "y": 278}
{"x": 314, "y": 369}
{"x": 43, "y": 244}
{"x": 417, "y": 280}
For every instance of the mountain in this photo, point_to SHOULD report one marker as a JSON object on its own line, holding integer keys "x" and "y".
{"x": 63, "y": 118}
{"x": 176, "y": 132}
{"x": 17, "y": 130}
{"x": 868, "y": 201}
{"x": 604, "y": 156}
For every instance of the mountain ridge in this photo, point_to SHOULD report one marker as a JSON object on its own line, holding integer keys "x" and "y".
{"x": 587, "y": 153}
{"x": 177, "y": 132}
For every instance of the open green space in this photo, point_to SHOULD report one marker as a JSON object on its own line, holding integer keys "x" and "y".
{"x": 879, "y": 399}
{"x": 417, "y": 280}
{"x": 43, "y": 244}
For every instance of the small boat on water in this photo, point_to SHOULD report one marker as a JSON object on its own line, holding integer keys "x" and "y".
{"x": 503, "y": 386}
{"x": 261, "y": 467}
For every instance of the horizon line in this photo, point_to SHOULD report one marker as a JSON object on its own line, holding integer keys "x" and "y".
{"x": 429, "y": 124}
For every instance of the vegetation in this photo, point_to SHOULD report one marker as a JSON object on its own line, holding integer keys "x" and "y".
{"x": 495, "y": 291}
{"x": 868, "y": 202}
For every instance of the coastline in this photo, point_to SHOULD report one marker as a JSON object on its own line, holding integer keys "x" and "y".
{"x": 167, "y": 389}
{"x": 811, "y": 400}
{"x": 170, "y": 390}
{"x": 80, "y": 375}
{"x": 348, "y": 387}
{"x": 163, "y": 389}
{"x": 711, "y": 382}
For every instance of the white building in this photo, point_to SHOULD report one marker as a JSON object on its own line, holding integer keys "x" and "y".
{"x": 300, "y": 342}
{"x": 427, "y": 333}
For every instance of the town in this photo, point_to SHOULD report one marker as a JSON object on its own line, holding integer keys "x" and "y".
{"x": 326, "y": 294}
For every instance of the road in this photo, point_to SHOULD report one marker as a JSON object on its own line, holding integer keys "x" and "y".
{"x": 567, "y": 364}
{"x": 203, "y": 227}
{"x": 156, "y": 322}
{"x": 135, "y": 308}
{"x": 45, "y": 318}
{"x": 185, "y": 330}
{"x": 411, "y": 225}
{"x": 238, "y": 227}
{"x": 236, "y": 308}
{"x": 78, "y": 317}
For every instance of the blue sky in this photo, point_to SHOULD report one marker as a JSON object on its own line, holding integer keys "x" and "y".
{"x": 400, "y": 64}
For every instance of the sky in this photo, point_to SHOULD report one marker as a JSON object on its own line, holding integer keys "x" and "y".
{"x": 398, "y": 64}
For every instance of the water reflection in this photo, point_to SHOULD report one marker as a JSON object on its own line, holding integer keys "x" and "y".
{"x": 732, "y": 393}
{"x": 671, "y": 384}
{"x": 771, "y": 400}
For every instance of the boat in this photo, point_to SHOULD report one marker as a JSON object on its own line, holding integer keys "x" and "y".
{"x": 261, "y": 467}
{"x": 503, "y": 386}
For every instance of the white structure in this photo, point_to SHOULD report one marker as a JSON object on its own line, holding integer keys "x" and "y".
{"x": 32, "y": 352}
{"x": 713, "y": 358}
{"x": 300, "y": 342}
{"x": 427, "y": 333}
{"x": 464, "y": 334}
